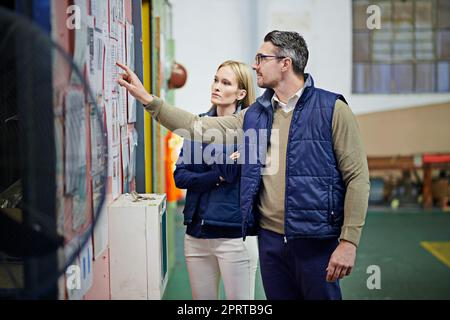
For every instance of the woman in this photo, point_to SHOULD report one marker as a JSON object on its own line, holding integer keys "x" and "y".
{"x": 213, "y": 245}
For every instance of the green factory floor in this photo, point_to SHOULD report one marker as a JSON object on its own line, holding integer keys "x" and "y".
{"x": 410, "y": 248}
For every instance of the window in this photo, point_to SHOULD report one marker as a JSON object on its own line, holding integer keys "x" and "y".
{"x": 410, "y": 53}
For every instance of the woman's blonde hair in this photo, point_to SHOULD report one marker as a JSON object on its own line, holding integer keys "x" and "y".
{"x": 244, "y": 78}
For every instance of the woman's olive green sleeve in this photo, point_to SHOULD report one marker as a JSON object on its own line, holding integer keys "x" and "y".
{"x": 193, "y": 126}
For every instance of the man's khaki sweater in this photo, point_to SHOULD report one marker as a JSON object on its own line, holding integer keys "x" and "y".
{"x": 347, "y": 144}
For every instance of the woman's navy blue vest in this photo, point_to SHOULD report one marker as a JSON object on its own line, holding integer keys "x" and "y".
{"x": 315, "y": 191}
{"x": 216, "y": 205}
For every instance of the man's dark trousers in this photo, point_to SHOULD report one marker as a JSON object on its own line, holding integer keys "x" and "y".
{"x": 296, "y": 269}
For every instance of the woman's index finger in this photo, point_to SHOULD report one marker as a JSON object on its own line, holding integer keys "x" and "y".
{"x": 124, "y": 67}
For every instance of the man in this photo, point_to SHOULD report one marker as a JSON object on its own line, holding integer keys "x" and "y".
{"x": 310, "y": 211}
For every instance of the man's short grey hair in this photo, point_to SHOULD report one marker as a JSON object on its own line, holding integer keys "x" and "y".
{"x": 290, "y": 44}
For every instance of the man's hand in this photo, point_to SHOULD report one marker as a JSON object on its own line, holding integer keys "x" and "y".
{"x": 342, "y": 261}
{"x": 131, "y": 82}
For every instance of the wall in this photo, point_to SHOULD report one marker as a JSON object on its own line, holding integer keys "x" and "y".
{"x": 327, "y": 28}
{"x": 407, "y": 131}
{"x": 208, "y": 32}
{"x": 106, "y": 95}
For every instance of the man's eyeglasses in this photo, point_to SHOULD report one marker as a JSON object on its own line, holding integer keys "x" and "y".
{"x": 260, "y": 57}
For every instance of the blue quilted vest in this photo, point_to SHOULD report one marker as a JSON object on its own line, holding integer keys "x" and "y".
{"x": 315, "y": 191}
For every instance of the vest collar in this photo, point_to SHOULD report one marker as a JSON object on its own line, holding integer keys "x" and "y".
{"x": 266, "y": 98}
{"x": 213, "y": 111}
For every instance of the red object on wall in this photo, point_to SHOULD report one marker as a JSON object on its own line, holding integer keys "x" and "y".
{"x": 436, "y": 158}
{"x": 178, "y": 76}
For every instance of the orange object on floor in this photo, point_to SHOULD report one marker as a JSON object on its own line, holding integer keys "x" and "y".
{"x": 172, "y": 143}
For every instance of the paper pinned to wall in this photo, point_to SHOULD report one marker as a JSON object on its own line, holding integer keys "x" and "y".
{"x": 59, "y": 157}
{"x": 97, "y": 158}
{"x": 95, "y": 70}
{"x": 129, "y": 31}
{"x": 122, "y": 92}
{"x": 113, "y": 128}
{"x": 125, "y": 159}
{"x": 122, "y": 104}
{"x": 113, "y": 85}
{"x": 99, "y": 10}
{"x": 75, "y": 139}
{"x": 131, "y": 105}
{"x": 98, "y": 184}
{"x": 116, "y": 173}
{"x": 79, "y": 201}
{"x": 113, "y": 18}
{"x": 121, "y": 11}
{"x": 121, "y": 56}
{"x": 81, "y": 39}
{"x": 131, "y": 109}
{"x": 133, "y": 137}
{"x": 107, "y": 70}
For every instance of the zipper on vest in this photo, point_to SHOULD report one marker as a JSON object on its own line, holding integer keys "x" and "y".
{"x": 286, "y": 175}
{"x": 203, "y": 222}
{"x": 285, "y": 240}
{"x": 330, "y": 204}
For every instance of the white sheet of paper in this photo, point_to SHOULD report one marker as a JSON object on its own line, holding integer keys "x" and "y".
{"x": 113, "y": 67}
{"x": 95, "y": 70}
{"x": 79, "y": 201}
{"x": 131, "y": 105}
{"x": 122, "y": 104}
{"x": 131, "y": 109}
{"x": 121, "y": 11}
{"x": 107, "y": 70}
{"x": 122, "y": 92}
{"x": 75, "y": 157}
{"x": 113, "y": 18}
{"x": 129, "y": 31}
{"x": 98, "y": 163}
{"x": 125, "y": 159}
{"x": 133, "y": 137}
{"x": 116, "y": 125}
{"x": 121, "y": 57}
{"x": 116, "y": 176}
{"x": 109, "y": 130}
{"x": 113, "y": 129}
{"x": 90, "y": 63}
{"x": 99, "y": 10}
{"x": 97, "y": 159}
{"x": 113, "y": 146}
{"x": 81, "y": 40}
{"x": 59, "y": 148}
{"x": 75, "y": 138}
